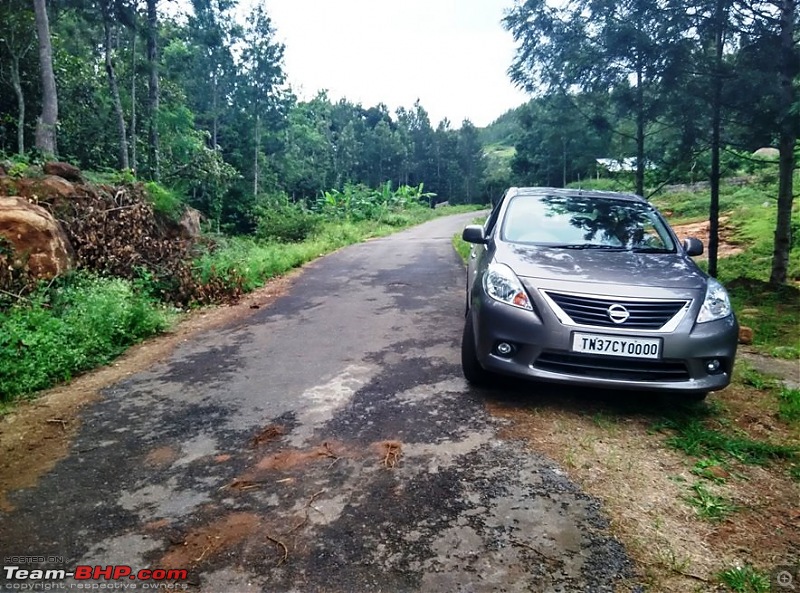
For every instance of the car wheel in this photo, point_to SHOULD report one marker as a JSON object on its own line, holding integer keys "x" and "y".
{"x": 470, "y": 366}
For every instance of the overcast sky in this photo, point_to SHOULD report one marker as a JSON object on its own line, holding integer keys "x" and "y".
{"x": 451, "y": 54}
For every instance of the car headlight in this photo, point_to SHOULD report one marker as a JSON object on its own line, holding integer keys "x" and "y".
{"x": 502, "y": 285}
{"x": 716, "y": 304}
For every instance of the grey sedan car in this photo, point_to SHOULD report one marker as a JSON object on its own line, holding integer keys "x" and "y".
{"x": 593, "y": 288}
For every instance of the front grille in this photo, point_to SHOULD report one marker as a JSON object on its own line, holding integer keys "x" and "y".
{"x": 602, "y": 367}
{"x": 644, "y": 314}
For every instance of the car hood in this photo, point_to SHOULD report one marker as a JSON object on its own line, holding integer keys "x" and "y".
{"x": 663, "y": 270}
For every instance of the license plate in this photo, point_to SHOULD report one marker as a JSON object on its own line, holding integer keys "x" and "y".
{"x": 616, "y": 345}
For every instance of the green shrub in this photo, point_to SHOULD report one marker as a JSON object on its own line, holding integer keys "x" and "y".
{"x": 164, "y": 200}
{"x": 277, "y": 219}
{"x": 83, "y": 322}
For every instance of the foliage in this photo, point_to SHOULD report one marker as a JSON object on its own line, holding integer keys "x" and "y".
{"x": 696, "y": 437}
{"x": 358, "y": 202}
{"x": 279, "y": 220}
{"x": 80, "y": 322}
{"x": 789, "y": 405}
{"x": 165, "y": 201}
{"x": 708, "y": 505}
{"x": 745, "y": 579}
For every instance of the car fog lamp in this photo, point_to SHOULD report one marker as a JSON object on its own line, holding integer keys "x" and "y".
{"x": 713, "y": 366}
{"x": 504, "y": 348}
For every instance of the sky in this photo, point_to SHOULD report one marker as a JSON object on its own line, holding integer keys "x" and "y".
{"x": 452, "y": 55}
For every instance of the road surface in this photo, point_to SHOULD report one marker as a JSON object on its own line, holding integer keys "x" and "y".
{"x": 327, "y": 442}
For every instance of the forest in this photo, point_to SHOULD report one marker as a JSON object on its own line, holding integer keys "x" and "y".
{"x": 198, "y": 101}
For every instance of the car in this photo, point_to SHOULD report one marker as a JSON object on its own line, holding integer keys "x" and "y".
{"x": 594, "y": 289}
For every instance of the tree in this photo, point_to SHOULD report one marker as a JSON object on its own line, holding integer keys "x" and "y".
{"x": 789, "y": 114}
{"x": 107, "y": 9}
{"x": 16, "y": 40}
{"x": 48, "y": 120}
{"x": 599, "y": 45}
{"x": 471, "y": 161}
{"x": 154, "y": 157}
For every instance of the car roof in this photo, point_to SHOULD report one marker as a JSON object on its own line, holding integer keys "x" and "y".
{"x": 574, "y": 193}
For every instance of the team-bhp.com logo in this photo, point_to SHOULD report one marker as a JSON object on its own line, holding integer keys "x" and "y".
{"x": 87, "y": 576}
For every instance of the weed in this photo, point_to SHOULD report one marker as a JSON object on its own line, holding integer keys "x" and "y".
{"x": 744, "y": 579}
{"x": 789, "y": 405}
{"x": 710, "y": 469}
{"x": 695, "y": 438}
{"x": 752, "y": 377}
{"x": 708, "y": 505}
{"x": 605, "y": 421}
{"x": 79, "y": 323}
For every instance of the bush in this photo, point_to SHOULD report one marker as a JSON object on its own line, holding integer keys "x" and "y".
{"x": 165, "y": 201}
{"x": 83, "y": 322}
{"x": 279, "y": 220}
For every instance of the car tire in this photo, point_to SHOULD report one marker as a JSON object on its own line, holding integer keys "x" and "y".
{"x": 473, "y": 371}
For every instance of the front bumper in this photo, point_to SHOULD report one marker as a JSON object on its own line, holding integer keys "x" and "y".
{"x": 542, "y": 350}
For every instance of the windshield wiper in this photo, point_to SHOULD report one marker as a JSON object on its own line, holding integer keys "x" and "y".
{"x": 651, "y": 250}
{"x": 587, "y": 246}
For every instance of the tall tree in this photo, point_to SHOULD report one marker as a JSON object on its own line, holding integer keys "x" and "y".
{"x": 262, "y": 89}
{"x": 107, "y": 11}
{"x": 598, "y": 45}
{"x": 46, "y": 125}
{"x": 789, "y": 123}
{"x": 154, "y": 93}
{"x": 16, "y": 40}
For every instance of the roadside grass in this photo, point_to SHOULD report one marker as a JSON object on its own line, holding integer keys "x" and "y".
{"x": 80, "y": 322}
{"x": 707, "y": 505}
{"x": 745, "y": 579}
{"x": 83, "y": 321}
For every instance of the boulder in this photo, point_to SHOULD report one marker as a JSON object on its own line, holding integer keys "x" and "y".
{"x": 37, "y": 240}
{"x": 53, "y": 186}
{"x": 64, "y": 170}
{"x": 768, "y": 153}
{"x": 190, "y": 223}
{"x": 745, "y": 335}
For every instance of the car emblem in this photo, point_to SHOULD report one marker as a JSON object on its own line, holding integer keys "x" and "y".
{"x": 618, "y": 314}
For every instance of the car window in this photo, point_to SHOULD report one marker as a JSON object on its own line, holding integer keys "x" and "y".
{"x": 585, "y": 221}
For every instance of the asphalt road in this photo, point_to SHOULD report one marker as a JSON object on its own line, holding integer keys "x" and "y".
{"x": 327, "y": 442}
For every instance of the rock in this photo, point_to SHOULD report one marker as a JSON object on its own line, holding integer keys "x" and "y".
{"x": 190, "y": 223}
{"x": 745, "y": 335}
{"x": 64, "y": 170}
{"x": 37, "y": 240}
{"x": 53, "y": 186}
{"x": 767, "y": 153}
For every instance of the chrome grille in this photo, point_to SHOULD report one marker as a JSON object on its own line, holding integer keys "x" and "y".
{"x": 593, "y": 311}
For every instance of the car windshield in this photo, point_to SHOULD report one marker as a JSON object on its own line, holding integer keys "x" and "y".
{"x": 585, "y": 222}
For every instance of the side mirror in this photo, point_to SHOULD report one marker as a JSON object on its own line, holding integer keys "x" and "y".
{"x": 693, "y": 246}
{"x": 473, "y": 233}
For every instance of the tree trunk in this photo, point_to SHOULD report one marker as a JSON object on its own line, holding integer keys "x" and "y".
{"x": 786, "y": 142}
{"x": 255, "y": 161}
{"x": 17, "y": 84}
{"x": 134, "y": 166}
{"x": 114, "y": 88}
{"x": 720, "y": 18}
{"x": 215, "y": 113}
{"x": 639, "y": 130}
{"x": 48, "y": 120}
{"x": 153, "y": 99}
